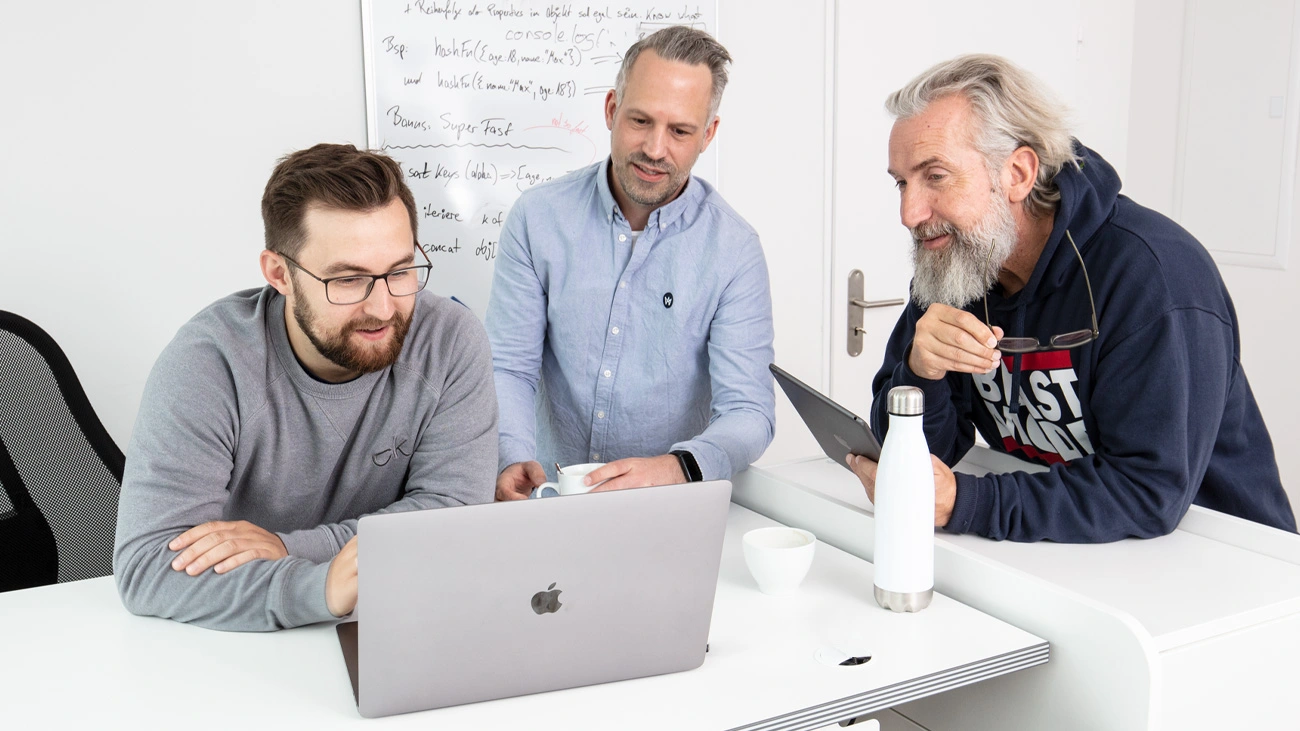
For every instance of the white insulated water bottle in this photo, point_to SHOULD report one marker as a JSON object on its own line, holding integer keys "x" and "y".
{"x": 904, "y": 552}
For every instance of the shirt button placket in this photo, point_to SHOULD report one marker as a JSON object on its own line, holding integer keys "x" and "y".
{"x": 604, "y": 389}
{"x": 613, "y": 350}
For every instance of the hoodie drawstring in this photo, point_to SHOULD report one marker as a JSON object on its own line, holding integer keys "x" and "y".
{"x": 1015, "y": 363}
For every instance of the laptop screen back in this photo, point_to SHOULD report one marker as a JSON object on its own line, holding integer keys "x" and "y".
{"x": 472, "y": 603}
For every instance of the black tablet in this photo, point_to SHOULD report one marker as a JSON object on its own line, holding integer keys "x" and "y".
{"x": 839, "y": 431}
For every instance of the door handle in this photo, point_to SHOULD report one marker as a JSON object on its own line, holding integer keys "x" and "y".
{"x": 868, "y": 304}
{"x": 856, "y": 307}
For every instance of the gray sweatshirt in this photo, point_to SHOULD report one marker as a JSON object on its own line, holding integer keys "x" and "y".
{"x": 232, "y": 428}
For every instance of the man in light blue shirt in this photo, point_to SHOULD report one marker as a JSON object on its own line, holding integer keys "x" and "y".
{"x": 630, "y": 316}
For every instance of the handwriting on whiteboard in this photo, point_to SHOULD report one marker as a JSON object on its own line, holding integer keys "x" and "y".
{"x": 481, "y": 101}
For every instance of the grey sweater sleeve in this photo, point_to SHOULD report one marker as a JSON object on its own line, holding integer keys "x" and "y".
{"x": 455, "y": 457}
{"x": 178, "y": 464}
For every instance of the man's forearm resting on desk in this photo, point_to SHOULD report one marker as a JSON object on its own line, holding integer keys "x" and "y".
{"x": 223, "y": 545}
{"x": 226, "y": 545}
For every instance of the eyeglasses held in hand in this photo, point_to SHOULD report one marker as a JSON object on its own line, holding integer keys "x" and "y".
{"x": 1064, "y": 341}
{"x": 354, "y": 288}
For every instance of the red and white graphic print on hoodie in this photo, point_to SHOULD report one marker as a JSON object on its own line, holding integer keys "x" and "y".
{"x": 1048, "y": 426}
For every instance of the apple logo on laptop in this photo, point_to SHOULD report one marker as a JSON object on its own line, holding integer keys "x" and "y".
{"x": 843, "y": 443}
{"x": 547, "y": 602}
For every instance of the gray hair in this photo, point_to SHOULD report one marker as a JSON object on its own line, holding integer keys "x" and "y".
{"x": 1014, "y": 110}
{"x": 687, "y": 45}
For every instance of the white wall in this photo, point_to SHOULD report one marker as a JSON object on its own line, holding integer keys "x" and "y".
{"x": 138, "y": 139}
{"x": 1264, "y": 298}
{"x": 772, "y": 163}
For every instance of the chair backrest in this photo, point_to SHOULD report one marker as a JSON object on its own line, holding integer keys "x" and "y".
{"x": 57, "y": 460}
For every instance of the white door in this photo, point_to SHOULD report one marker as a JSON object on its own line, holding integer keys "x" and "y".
{"x": 881, "y": 46}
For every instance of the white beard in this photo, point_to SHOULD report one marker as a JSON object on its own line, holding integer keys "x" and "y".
{"x": 964, "y": 270}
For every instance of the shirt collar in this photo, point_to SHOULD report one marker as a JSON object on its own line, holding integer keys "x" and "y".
{"x": 691, "y": 197}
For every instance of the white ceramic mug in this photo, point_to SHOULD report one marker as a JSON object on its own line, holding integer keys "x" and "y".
{"x": 778, "y": 557}
{"x": 570, "y": 480}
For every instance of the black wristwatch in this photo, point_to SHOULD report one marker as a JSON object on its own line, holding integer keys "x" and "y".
{"x": 690, "y": 467}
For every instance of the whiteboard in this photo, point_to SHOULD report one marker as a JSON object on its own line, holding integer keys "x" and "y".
{"x": 480, "y": 101}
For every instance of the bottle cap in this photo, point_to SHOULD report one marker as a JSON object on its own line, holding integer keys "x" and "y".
{"x": 906, "y": 401}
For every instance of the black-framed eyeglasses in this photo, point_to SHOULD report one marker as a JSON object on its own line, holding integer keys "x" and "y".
{"x": 1064, "y": 341}
{"x": 354, "y": 288}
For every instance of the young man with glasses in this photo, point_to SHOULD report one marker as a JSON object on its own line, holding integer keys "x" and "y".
{"x": 1069, "y": 325}
{"x": 279, "y": 416}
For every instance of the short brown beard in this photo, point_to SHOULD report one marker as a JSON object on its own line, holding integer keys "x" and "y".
{"x": 338, "y": 349}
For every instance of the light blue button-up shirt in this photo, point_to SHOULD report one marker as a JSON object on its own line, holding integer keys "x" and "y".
{"x": 607, "y": 345}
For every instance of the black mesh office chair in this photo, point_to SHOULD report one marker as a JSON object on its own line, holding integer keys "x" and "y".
{"x": 60, "y": 471}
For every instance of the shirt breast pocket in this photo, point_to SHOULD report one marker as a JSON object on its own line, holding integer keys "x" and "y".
{"x": 679, "y": 325}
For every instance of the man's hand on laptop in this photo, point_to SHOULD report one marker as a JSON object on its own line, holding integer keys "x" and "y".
{"x": 224, "y": 545}
{"x": 517, "y": 481}
{"x": 945, "y": 484}
{"x": 621, "y": 474}
{"x": 341, "y": 581}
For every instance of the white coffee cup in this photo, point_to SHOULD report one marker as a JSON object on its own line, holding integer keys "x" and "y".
{"x": 778, "y": 557}
{"x": 570, "y": 480}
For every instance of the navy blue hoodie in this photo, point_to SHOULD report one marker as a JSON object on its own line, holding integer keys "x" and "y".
{"x": 1154, "y": 415}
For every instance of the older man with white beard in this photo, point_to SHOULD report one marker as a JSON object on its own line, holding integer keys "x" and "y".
{"x": 1069, "y": 325}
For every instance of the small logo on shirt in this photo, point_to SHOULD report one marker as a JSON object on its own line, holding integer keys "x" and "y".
{"x": 668, "y": 299}
{"x": 385, "y": 456}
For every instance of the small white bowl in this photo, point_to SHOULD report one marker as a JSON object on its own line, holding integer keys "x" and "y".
{"x": 778, "y": 557}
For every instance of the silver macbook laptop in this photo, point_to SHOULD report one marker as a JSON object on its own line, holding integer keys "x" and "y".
{"x": 468, "y": 604}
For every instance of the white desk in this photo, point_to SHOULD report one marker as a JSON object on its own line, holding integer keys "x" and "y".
{"x": 71, "y": 656}
{"x": 1199, "y": 629}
